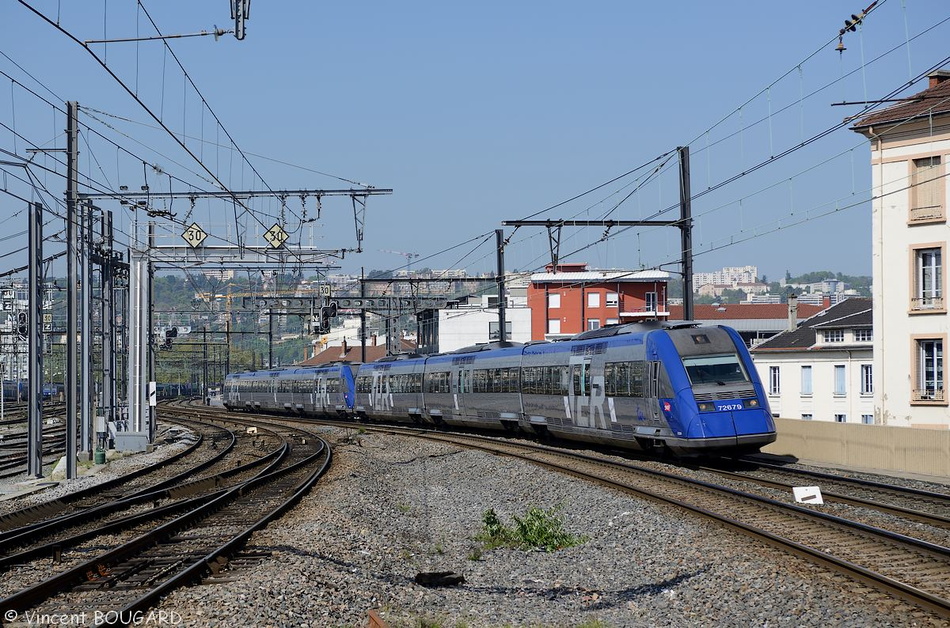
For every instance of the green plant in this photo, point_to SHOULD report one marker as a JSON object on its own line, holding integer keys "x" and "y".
{"x": 537, "y": 529}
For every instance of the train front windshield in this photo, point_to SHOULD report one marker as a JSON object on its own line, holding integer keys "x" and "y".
{"x": 716, "y": 370}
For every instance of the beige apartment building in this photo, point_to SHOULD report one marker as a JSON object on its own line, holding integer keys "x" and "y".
{"x": 910, "y": 148}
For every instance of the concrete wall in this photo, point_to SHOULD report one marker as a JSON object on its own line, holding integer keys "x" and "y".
{"x": 888, "y": 448}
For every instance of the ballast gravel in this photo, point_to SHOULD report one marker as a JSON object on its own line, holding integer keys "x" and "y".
{"x": 391, "y": 508}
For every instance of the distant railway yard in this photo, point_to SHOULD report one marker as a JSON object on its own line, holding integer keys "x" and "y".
{"x": 271, "y": 521}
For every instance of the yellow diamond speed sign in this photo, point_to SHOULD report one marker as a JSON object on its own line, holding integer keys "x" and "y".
{"x": 276, "y": 236}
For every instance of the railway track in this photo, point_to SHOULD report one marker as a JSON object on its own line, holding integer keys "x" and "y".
{"x": 118, "y": 578}
{"x": 905, "y": 508}
{"x": 13, "y": 443}
{"x": 114, "y": 512}
{"x": 909, "y": 568}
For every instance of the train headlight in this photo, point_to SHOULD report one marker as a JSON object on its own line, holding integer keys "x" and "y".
{"x": 706, "y": 407}
{"x": 750, "y": 403}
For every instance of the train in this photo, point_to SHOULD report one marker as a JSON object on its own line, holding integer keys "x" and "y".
{"x": 673, "y": 387}
{"x": 16, "y": 390}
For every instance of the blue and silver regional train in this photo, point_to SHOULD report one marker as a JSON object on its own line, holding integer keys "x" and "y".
{"x": 680, "y": 387}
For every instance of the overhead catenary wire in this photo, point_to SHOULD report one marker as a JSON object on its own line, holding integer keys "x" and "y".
{"x": 148, "y": 110}
{"x": 725, "y": 205}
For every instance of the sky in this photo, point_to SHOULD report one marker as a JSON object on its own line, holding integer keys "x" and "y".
{"x": 474, "y": 115}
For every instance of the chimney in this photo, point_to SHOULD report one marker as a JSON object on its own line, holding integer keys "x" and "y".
{"x": 938, "y": 77}
{"x": 343, "y": 352}
{"x": 792, "y": 312}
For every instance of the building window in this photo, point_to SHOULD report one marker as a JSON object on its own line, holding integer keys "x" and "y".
{"x": 775, "y": 382}
{"x": 867, "y": 381}
{"x": 593, "y": 323}
{"x": 554, "y": 300}
{"x": 925, "y": 192}
{"x": 650, "y": 301}
{"x": 833, "y": 335}
{"x": 612, "y": 321}
{"x": 806, "y": 380}
{"x": 863, "y": 335}
{"x": 613, "y": 299}
{"x": 928, "y": 279}
{"x": 841, "y": 382}
{"x": 554, "y": 326}
{"x": 841, "y": 418}
{"x": 867, "y": 419}
{"x": 929, "y": 376}
{"x": 493, "y": 328}
{"x": 593, "y": 299}
{"x": 806, "y": 417}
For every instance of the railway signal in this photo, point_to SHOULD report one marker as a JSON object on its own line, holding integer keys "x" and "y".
{"x": 22, "y": 325}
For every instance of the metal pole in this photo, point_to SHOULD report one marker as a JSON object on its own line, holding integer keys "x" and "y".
{"x": 139, "y": 336}
{"x": 72, "y": 252}
{"x": 150, "y": 349}
{"x": 500, "y": 245}
{"x": 108, "y": 316}
{"x": 227, "y": 350}
{"x": 35, "y": 423}
{"x": 362, "y": 316}
{"x": 136, "y": 335}
{"x": 686, "y": 233}
{"x": 85, "y": 349}
{"x": 204, "y": 363}
{"x": 270, "y": 339}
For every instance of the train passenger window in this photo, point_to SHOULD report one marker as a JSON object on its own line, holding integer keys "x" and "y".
{"x": 437, "y": 382}
{"x": 481, "y": 381}
{"x": 528, "y": 380}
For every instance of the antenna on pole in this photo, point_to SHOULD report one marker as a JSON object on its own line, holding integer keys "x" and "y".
{"x": 240, "y": 11}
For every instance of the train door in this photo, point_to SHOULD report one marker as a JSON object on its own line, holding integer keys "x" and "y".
{"x": 380, "y": 396}
{"x": 578, "y": 391}
{"x": 463, "y": 389}
{"x": 323, "y": 398}
{"x": 653, "y": 387}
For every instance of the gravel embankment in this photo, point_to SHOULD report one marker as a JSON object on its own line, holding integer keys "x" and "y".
{"x": 391, "y": 508}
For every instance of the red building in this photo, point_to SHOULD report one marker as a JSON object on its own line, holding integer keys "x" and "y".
{"x": 571, "y": 299}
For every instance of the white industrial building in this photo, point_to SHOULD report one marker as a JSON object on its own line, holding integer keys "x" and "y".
{"x": 476, "y": 322}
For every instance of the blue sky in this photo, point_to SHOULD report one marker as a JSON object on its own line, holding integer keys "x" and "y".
{"x": 479, "y": 113}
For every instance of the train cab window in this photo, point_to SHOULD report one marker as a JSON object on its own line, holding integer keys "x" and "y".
{"x": 717, "y": 370}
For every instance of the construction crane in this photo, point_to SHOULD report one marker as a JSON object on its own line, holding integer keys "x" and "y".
{"x": 408, "y": 257}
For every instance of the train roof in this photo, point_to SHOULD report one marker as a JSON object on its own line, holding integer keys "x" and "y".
{"x": 291, "y": 370}
{"x": 632, "y": 328}
{"x": 488, "y": 346}
{"x": 399, "y": 356}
